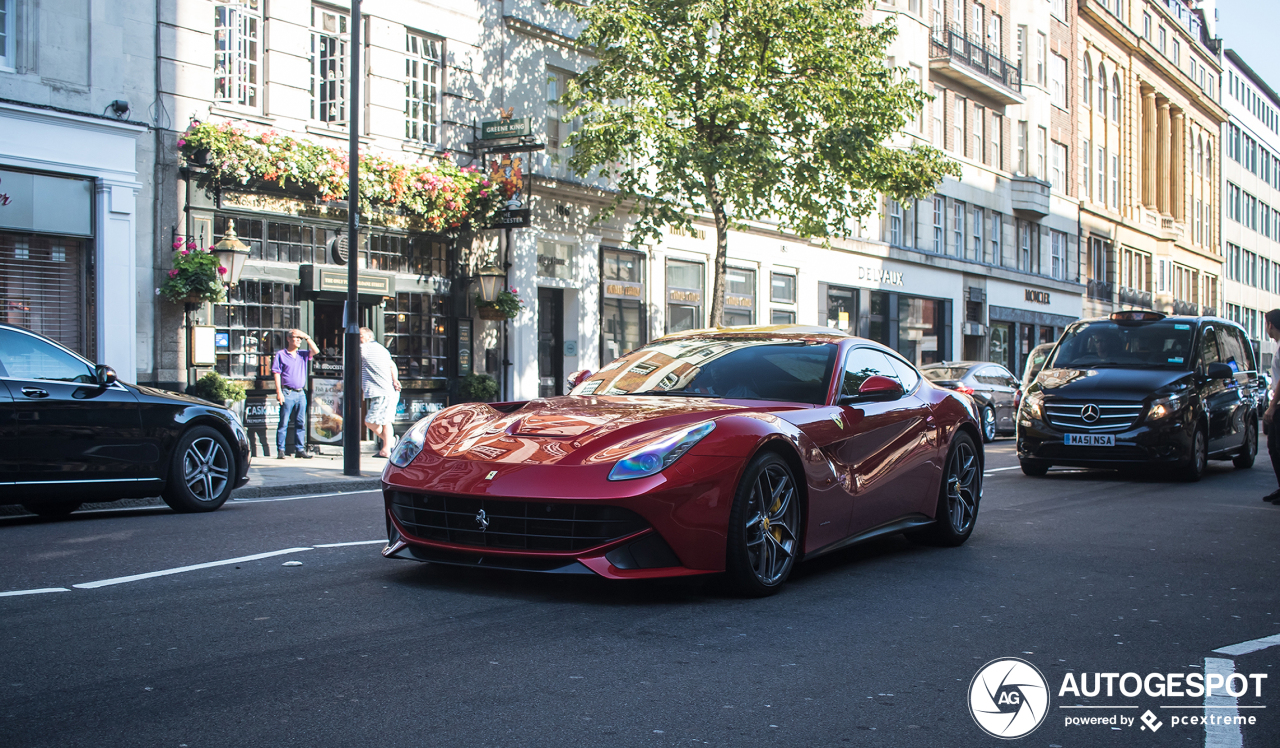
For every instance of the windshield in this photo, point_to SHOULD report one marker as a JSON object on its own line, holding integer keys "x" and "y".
{"x": 1098, "y": 344}
{"x": 943, "y": 373}
{"x": 740, "y": 368}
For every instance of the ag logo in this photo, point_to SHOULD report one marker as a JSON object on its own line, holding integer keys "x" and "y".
{"x": 1008, "y": 698}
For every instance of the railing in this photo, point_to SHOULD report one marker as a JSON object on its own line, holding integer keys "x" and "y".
{"x": 952, "y": 43}
{"x": 1100, "y": 290}
{"x": 1134, "y": 297}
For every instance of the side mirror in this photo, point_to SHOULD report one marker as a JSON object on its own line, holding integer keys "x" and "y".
{"x": 1219, "y": 371}
{"x": 106, "y": 375}
{"x": 577, "y": 377}
{"x": 875, "y": 389}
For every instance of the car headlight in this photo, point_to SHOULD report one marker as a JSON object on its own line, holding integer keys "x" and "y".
{"x": 1163, "y": 408}
{"x": 658, "y": 456}
{"x": 411, "y": 443}
{"x": 1033, "y": 405}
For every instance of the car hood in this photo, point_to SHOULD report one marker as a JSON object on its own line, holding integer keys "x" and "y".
{"x": 1106, "y": 383}
{"x": 153, "y": 394}
{"x": 573, "y": 430}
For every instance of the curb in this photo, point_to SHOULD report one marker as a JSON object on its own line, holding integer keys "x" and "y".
{"x": 350, "y": 485}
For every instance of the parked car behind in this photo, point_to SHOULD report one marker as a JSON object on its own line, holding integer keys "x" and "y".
{"x": 991, "y": 386}
{"x": 70, "y": 432}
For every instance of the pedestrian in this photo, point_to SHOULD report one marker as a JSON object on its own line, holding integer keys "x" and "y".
{"x": 381, "y": 383}
{"x": 289, "y": 368}
{"x": 1272, "y": 319}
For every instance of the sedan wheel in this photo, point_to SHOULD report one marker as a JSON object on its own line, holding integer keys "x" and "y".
{"x": 988, "y": 424}
{"x": 1249, "y": 451}
{"x": 958, "y": 497}
{"x": 201, "y": 473}
{"x": 1199, "y": 459}
{"x": 764, "y": 527}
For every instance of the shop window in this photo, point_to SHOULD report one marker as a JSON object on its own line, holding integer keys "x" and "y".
{"x": 554, "y": 259}
{"x": 920, "y": 329}
{"x": 622, "y": 303}
{"x": 416, "y": 332}
{"x": 251, "y": 327}
{"x": 842, "y": 308}
{"x": 329, "y": 39}
{"x": 1000, "y": 353}
{"x": 740, "y": 297}
{"x": 46, "y": 286}
{"x": 782, "y": 317}
{"x": 782, "y": 288}
{"x": 422, "y": 71}
{"x": 684, "y": 295}
{"x": 237, "y": 52}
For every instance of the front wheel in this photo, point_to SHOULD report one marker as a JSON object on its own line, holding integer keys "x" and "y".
{"x": 1199, "y": 459}
{"x": 1249, "y": 451}
{"x": 988, "y": 424}
{"x": 201, "y": 472}
{"x": 958, "y": 496}
{"x": 1034, "y": 468}
{"x": 764, "y": 527}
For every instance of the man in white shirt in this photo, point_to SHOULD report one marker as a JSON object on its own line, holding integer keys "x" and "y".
{"x": 381, "y": 384}
{"x": 1272, "y": 324}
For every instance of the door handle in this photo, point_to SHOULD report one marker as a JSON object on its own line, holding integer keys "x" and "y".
{"x": 34, "y": 392}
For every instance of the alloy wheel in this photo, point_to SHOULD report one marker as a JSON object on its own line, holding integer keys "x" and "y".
{"x": 206, "y": 467}
{"x": 988, "y": 424}
{"x": 963, "y": 476}
{"x": 771, "y": 525}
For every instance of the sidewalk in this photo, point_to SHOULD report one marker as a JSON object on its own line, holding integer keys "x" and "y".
{"x": 291, "y": 476}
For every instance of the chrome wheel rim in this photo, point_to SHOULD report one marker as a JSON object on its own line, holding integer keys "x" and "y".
{"x": 1251, "y": 440}
{"x": 206, "y": 468}
{"x": 989, "y": 423}
{"x": 771, "y": 525}
{"x": 964, "y": 480}
{"x": 1201, "y": 457}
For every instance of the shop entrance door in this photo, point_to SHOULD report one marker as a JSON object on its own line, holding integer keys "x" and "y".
{"x": 326, "y": 330}
{"x": 550, "y": 342}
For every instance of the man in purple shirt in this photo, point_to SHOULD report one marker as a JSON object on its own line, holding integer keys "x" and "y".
{"x": 290, "y": 370}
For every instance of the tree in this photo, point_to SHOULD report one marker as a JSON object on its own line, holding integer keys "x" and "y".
{"x": 748, "y": 110}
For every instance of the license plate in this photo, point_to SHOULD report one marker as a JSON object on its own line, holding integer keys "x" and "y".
{"x": 1090, "y": 440}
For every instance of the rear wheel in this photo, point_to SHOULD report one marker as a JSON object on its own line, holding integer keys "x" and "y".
{"x": 988, "y": 424}
{"x": 1034, "y": 468}
{"x": 201, "y": 472}
{"x": 764, "y": 527}
{"x": 1249, "y": 451}
{"x": 957, "y": 497}
{"x": 1199, "y": 459}
{"x": 52, "y": 509}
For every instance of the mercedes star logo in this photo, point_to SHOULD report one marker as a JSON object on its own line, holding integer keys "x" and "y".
{"x": 482, "y": 520}
{"x": 1089, "y": 413}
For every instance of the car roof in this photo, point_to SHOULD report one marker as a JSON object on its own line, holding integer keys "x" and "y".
{"x": 955, "y": 364}
{"x": 807, "y": 333}
{"x": 1195, "y": 320}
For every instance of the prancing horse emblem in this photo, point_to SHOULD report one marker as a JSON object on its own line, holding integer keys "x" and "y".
{"x": 1089, "y": 413}
{"x": 482, "y": 520}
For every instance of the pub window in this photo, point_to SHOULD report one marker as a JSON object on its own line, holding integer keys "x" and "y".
{"x": 329, "y": 39}
{"x": 237, "y": 51}
{"x": 428, "y": 256}
{"x": 288, "y": 242}
{"x": 251, "y": 326}
{"x": 388, "y": 253}
{"x": 684, "y": 295}
{"x": 740, "y": 297}
{"x": 554, "y": 259}
{"x": 422, "y": 66}
{"x": 416, "y": 332}
{"x": 249, "y": 231}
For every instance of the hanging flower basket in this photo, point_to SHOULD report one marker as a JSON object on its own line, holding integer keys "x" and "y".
{"x": 491, "y": 312}
{"x": 196, "y": 276}
{"x": 506, "y": 306}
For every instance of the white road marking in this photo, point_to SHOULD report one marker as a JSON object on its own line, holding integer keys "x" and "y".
{"x": 1221, "y": 735}
{"x": 304, "y": 496}
{"x": 1249, "y": 646}
{"x": 997, "y": 470}
{"x": 34, "y": 592}
{"x": 356, "y": 542}
{"x": 181, "y": 569}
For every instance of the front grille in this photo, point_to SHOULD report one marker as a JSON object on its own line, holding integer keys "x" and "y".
{"x": 1118, "y": 453}
{"x": 1111, "y": 416}
{"x": 513, "y": 525}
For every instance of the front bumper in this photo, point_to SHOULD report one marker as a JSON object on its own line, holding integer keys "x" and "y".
{"x": 1143, "y": 444}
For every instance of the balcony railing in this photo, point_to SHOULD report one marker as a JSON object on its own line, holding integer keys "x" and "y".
{"x": 951, "y": 43}
{"x": 1134, "y": 297}
{"x": 1100, "y": 290}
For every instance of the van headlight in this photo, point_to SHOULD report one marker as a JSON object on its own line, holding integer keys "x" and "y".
{"x": 1033, "y": 406}
{"x": 1163, "y": 408}
{"x": 658, "y": 456}
{"x": 411, "y": 443}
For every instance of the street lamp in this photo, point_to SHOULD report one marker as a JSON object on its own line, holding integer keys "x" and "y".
{"x": 231, "y": 254}
{"x": 492, "y": 278}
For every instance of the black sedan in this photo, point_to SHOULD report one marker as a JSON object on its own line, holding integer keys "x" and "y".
{"x": 71, "y": 433}
{"x": 992, "y": 387}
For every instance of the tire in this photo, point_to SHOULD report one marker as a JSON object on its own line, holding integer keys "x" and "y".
{"x": 764, "y": 528}
{"x": 53, "y": 509}
{"x": 958, "y": 497}
{"x": 1249, "y": 451}
{"x": 988, "y": 424}
{"x": 1199, "y": 460}
{"x": 201, "y": 472}
{"x": 1034, "y": 468}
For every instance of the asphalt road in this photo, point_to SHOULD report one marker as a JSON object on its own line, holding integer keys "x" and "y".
{"x": 1079, "y": 572}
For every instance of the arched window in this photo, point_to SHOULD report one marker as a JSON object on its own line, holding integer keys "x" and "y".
{"x": 1086, "y": 85}
{"x": 1200, "y": 154}
{"x": 1102, "y": 89}
{"x": 1208, "y": 158}
{"x": 1115, "y": 98}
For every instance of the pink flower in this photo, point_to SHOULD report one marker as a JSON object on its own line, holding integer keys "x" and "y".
{"x": 181, "y": 142}
{"x": 177, "y": 243}
{"x": 173, "y": 273}
{"x": 191, "y": 244}
{"x": 185, "y": 252}
{"x": 485, "y": 183}
{"x": 222, "y": 270}
{"x": 209, "y": 250}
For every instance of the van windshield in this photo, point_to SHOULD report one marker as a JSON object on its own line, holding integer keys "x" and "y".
{"x": 1165, "y": 344}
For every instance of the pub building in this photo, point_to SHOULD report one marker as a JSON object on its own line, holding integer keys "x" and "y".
{"x": 410, "y": 295}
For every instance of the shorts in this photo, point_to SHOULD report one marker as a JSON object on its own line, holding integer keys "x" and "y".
{"x": 382, "y": 409}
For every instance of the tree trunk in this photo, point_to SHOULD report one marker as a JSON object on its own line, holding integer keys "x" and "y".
{"x": 716, "y": 201}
